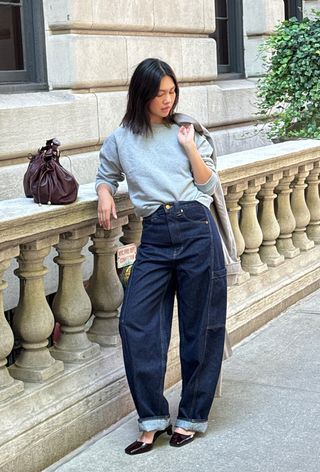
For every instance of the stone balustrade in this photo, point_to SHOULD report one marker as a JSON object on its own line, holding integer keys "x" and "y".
{"x": 285, "y": 188}
{"x": 272, "y": 196}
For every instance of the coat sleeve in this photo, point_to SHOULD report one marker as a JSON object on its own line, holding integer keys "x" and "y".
{"x": 109, "y": 170}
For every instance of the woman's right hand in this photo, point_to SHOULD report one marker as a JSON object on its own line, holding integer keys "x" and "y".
{"x": 106, "y": 207}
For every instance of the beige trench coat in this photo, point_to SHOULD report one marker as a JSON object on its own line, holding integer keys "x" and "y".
{"x": 220, "y": 214}
{"x": 218, "y": 207}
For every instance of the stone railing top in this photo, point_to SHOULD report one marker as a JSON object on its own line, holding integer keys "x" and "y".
{"x": 261, "y": 161}
{"x": 32, "y": 220}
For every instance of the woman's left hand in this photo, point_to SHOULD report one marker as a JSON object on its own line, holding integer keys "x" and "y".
{"x": 201, "y": 172}
{"x": 186, "y": 136}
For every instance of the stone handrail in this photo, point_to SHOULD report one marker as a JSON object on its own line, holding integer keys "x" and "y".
{"x": 272, "y": 196}
{"x": 256, "y": 178}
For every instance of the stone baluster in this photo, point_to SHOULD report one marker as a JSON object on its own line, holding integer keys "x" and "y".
{"x": 313, "y": 202}
{"x": 71, "y": 305}
{"x": 285, "y": 216}
{"x": 132, "y": 231}
{"x": 268, "y": 222}
{"x": 33, "y": 319}
{"x": 105, "y": 289}
{"x": 251, "y": 230}
{"x": 232, "y": 197}
{"x": 9, "y": 387}
{"x": 300, "y": 209}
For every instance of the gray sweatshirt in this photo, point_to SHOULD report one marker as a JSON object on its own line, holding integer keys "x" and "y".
{"x": 156, "y": 168}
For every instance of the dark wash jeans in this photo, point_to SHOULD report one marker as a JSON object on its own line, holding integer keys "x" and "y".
{"x": 180, "y": 253}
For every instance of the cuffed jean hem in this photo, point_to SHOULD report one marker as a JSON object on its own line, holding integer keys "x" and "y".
{"x": 192, "y": 425}
{"x": 153, "y": 424}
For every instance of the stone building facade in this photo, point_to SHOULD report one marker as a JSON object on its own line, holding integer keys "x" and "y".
{"x": 80, "y": 56}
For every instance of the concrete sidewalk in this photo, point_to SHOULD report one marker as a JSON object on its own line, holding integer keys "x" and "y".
{"x": 268, "y": 418}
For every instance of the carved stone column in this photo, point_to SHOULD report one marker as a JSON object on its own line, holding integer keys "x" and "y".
{"x": 313, "y": 202}
{"x": 9, "y": 387}
{"x": 268, "y": 222}
{"x": 251, "y": 230}
{"x": 105, "y": 289}
{"x": 300, "y": 210}
{"x": 234, "y": 193}
{"x": 285, "y": 216}
{"x": 132, "y": 231}
{"x": 71, "y": 304}
{"x": 33, "y": 319}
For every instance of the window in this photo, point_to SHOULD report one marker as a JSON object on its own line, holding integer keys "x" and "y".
{"x": 229, "y": 36}
{"x": 293, "y": 8}
{"x": 22, "y": 56}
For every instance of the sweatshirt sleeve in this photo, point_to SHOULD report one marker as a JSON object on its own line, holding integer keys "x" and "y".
{"x": 206, "y": 151}
{"x": 109, "y": 170}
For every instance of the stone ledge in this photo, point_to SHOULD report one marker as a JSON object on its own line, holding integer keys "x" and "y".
{"x": 36, "y": 117}
{"x": 267, "y": 159}
{"x": 141, "y": 15}
{"x": 231, "y": 102}
{"x": 234, "y": 167}
{"x": 32, "y": 221}
{"x": 237, "y": 139}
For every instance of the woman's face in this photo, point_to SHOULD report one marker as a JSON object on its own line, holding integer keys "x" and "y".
{"x": 160, "y": 106}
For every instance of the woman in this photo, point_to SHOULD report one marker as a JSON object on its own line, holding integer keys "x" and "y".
{"x": 170, "y": 177}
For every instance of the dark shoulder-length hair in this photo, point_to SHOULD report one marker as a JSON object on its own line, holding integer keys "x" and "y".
{"x": 144, "y": 86}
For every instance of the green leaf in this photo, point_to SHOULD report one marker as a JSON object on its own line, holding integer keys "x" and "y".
{"x": 290, "y": 90}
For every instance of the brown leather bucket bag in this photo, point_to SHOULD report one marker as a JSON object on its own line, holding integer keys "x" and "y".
{"x": 46, "y": 180}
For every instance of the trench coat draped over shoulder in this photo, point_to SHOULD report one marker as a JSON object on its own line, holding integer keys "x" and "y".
{"x": 220, "y": 214}
{"x": 218, "y": 207}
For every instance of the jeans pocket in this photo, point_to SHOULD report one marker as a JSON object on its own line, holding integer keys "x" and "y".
{"x": 154, "y": 218}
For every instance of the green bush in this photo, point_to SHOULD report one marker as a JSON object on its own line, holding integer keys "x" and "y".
{"x": 289, "y": 93}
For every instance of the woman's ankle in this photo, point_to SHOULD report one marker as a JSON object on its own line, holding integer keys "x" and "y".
{"x": 186, "y": 432}
{"x": 147, "y": 437}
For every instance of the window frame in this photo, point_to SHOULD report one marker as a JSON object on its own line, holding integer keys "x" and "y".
{"x": 293, "y": 8}
{"x": 34, "y": 74}
{"x": 235, "y": 68}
